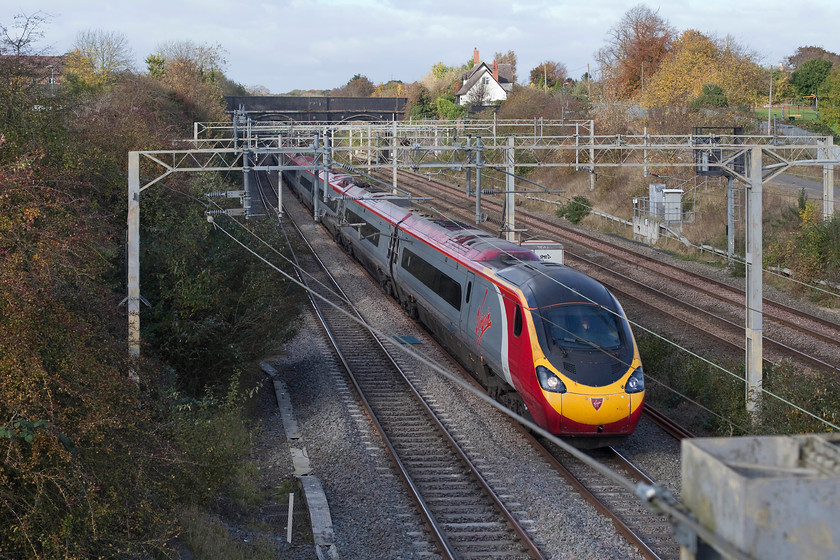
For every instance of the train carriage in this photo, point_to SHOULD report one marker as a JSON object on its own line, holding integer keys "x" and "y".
{"x": 545, "y": 340}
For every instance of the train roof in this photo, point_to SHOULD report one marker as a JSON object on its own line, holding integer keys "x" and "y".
{"x": 563, "y": 283}
{"x": 461, "y": 240}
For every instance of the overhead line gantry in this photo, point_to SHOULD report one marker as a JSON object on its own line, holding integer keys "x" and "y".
{"x": 247, "y": 146}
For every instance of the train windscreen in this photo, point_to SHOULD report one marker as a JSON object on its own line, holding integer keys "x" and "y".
{"x": 574, "y": 326}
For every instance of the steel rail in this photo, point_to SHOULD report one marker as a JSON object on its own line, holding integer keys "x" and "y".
{"x": 439, "y": 534}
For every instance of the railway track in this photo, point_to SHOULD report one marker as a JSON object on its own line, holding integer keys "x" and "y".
{"x": 817, "y": 336}
{"x": 459, "y": 516}
{"x": 649, "y": 532}
{"x": 464, "y": 516}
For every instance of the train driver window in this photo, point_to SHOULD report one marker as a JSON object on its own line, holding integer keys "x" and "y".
{"x": 517, "y": 321}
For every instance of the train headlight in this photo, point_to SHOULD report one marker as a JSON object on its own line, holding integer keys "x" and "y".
{"x": 549, "y": 381}
{"x": 636, "y": 382}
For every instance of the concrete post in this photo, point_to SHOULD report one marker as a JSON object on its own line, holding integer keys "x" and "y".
{"x": 394, "y": 145}
{"x": 247, "y": 179}
{"x": 730, "y": 219}
{"x": 478, "y": 180}
{"x": 468, "y": 160}
{"x": 754, "y": 296}
{"x": 510, "y": 202}
{"x": 316, "y": 210}
{"x": 592, "y": 155}
{"x": 133, "y": 300}
{"x": 828, "y": 178}
{"x": 327, "y": 165}
{"x": 279, "y": 160}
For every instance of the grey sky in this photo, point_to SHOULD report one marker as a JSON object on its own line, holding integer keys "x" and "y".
{"x": 321, "y": 44}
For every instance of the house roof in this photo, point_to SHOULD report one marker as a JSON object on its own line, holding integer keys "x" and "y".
{"x": 472, "y": 76}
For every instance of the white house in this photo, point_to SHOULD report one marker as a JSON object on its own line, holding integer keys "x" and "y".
{"x": 482, "y": 85}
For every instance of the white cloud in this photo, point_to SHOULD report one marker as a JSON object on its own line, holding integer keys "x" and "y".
{"x": 320, "y": 44}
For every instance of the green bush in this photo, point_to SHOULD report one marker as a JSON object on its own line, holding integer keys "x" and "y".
{"x": 213, "y": 436}
{"x": 575, "y": 210}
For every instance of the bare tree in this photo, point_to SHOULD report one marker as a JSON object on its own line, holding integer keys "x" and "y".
{"x": 478, "y": 94}
{"x": 104, "y": 53}
{"x": 20, "y": 71}
{"x": 206, "y": 59}
{"x": 507, "y": 58}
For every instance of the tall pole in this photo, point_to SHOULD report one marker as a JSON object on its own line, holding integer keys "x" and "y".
{"x": 730, "y": 219}
{"x": 770, "y": 105}
{"x": 394, "y": 145}
{"x": 468, "y": 160}
{"x": 316, "y": 184}
{"x": 478, "y": 180}
{"x": 327, "y": 165}
{"x": 247, "y": 181}
{"x": 828, "y": 178}
{"x": 592, "y": 155}
{"x": 280, "y": 161}
{"x": 510, "y": 224}
{"x": 133, "y": 299}
{"x": 754, "y": 296}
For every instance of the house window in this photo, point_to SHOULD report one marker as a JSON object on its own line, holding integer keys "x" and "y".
{"x": 485, "y": 80}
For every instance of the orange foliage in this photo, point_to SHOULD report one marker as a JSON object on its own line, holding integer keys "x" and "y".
{"x": 697, "y": 60}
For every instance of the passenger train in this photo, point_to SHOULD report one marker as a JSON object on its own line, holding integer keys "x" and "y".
{"x": 543, "y": 339}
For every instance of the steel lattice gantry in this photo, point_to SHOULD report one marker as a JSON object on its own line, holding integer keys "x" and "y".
{"x": 475, "y": 145}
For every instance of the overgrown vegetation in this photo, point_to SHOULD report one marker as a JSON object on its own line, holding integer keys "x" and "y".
{"x": 94, "y": 464}
{"x": 711, "y": 399}
{"x": 807, "y": 244}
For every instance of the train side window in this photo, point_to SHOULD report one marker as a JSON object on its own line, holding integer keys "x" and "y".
{"x": 445, "y": 287}
{"x": 306, "y": 183}
{"x": 517, "y": 321}
{"x": 469, "y": 291}
{"x": 367, "y": 231}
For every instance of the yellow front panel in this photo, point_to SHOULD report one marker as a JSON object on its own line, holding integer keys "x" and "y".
{"x": 596, "y": 409}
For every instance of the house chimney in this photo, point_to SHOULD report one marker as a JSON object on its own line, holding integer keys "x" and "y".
{"x": 495, "y": 71}
{"x": 475, "y": 57}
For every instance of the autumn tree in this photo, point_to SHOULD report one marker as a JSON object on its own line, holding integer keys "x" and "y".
{"x": 207, "y": 59}
{"x": 195, "y": 73}
{"x": 97, "y": 57}
{"x": 807, "y": 53}
{"x": 393, "y": 88}
{"x": 635, "y": 48}
{"x": 782, "y": 86}
{"x": 440, "y": 79}
{"x": 420, "y": 104}
{"x": 697, "y": 60}
{"x": 548, "y": 75}
{"x": 829, "y": 94}
{"x": 357, "y": 86}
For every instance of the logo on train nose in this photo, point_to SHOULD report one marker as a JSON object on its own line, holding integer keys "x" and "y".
{"x": 597, "y": 402}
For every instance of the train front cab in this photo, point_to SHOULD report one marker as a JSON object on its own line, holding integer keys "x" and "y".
{"x": 586, "y": 378}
